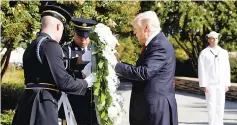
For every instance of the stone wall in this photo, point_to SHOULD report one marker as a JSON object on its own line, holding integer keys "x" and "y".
{"x": 191, "y": 85}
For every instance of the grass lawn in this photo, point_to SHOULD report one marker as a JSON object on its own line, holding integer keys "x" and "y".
{"x": 13, "y": 75}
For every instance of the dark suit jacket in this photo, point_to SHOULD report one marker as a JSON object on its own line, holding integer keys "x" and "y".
{"x": 153, "y": 96}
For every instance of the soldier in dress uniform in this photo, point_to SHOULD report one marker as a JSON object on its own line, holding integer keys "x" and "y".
{"x": 45, "y": 74}
{"x": 75, "y": 51}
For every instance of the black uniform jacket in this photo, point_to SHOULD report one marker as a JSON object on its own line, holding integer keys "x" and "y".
{"x": 83, "y": 105}
{"x": 45, "y": 77}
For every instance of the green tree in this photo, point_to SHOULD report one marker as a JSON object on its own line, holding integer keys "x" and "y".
{"x": 20, "y": 20}
{"x": 187, "y": 23}
{"x": 19, "y": 25}
{"x": 117, "y": 15}
{"x": 129, "y": 49}
{"x": 112, "y": 13}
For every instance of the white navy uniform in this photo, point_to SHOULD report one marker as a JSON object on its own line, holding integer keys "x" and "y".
{"x": 214, "y": 74}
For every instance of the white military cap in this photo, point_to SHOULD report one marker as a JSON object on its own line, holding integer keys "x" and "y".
{"x": 213, "y": 34}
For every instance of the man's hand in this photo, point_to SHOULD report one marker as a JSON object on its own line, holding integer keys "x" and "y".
{"x": 87, "y": 70}
{"x": 90, "y": 79}
{"x": 226, "y": 88}
{"x": 206, "y": 90}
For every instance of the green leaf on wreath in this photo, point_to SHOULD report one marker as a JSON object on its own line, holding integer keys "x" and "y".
{"x": 96, "y": 84}
{"x": 108, "y": 100}
{"x": 102, "y": 115}
{"x": 100, "y": 64}
{"x": 106, "y": 118}
{"x": 106, "y": 63}
{"x": 106, "y": 73}
{"x": 110, "y": 122}
{"x": 96, "y": 92}
{"x": 102, "y": 98}
{"x": 100, "y": 106}
{"x": 94, "y": 52}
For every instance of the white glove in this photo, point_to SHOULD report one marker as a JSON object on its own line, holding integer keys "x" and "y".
{"x": 87, "y": 70}
{"x": 90, "y": 79}
{"x": 86, "y": 57}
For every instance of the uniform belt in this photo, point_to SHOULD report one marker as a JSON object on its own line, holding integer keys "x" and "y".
{"x": 46, "y": 86}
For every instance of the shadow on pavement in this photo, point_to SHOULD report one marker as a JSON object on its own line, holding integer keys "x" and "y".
{"x": 189, "y": 94}
{"x": 234, "y": 112}
{"x": 194, "y": 123}
{"x": 230, "y": 123}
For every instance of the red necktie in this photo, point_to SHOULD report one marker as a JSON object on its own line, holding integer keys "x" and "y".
{"x": 143, "y": 48}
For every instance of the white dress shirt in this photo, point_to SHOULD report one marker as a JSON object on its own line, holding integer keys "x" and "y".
{"x": 151, "y": 37}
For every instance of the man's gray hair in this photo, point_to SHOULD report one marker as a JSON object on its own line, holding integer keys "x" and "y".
{"x": 147, "y": 18}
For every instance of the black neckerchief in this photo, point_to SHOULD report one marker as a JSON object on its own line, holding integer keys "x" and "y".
{"x": 215, "y": 56}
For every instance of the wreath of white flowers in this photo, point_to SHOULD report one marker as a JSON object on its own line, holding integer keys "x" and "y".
{"x": 107, "y": 99}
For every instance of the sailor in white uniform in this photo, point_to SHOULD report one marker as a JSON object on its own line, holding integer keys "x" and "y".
{"x": 214, "y": 76}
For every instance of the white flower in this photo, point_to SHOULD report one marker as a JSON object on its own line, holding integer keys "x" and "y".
{"x": 102, "y": 40}
{"x": 119, "y": 98}
{"x": 112, "y": 72}
{"x": 111, "y": 86}
{"x": 117, "y": 105}
{"x": 110, "y": 56}
{"x": 111, "y": 41}
{"x": 112, "y": 112}
{"x": 117, "y": 120}
{"x": 105, "y": 35}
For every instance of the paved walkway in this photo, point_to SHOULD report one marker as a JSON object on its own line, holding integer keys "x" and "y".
{"x": 191, "y": 109}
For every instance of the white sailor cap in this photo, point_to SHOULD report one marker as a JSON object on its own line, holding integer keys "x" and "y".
{"x": 213, "y": 34}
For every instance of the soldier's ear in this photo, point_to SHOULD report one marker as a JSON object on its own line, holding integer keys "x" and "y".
{"x": 58, "y": 27}
{"x": 74, "y": 33}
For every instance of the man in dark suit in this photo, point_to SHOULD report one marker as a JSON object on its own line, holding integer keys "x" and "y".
{"x": 153, "y": 96}
{"x": 45, "y": 74}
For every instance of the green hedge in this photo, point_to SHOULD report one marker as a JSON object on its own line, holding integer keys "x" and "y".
{"x": 233, "y": 65}
{"x": 6, "y": 117}
{"x": 11, "y": 94}
{"x": 184, "y": 68}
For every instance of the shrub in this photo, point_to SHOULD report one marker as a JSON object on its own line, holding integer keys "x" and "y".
{"x": 6, "y": 117}
{"x": 129, "y": 49}
{"x": 184, "y": 68}
{"x": 233, "y": 66}
{"x": 11, "y": 94}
